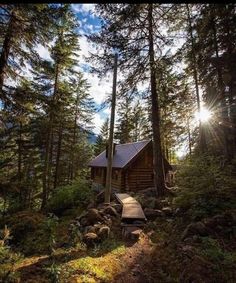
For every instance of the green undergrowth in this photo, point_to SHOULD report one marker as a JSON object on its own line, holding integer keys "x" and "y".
{"x": 206, "y": 187}
{"x": 78, "y": 194}
{"x": 200, "y": 259}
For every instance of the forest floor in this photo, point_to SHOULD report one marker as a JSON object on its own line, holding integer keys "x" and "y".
{"x": 125, "y": 263}
{"x": 159, "y": 255}
{"x": 116, "y": 260}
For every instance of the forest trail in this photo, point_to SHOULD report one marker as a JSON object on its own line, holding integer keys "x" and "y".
{"x": 134, "y": 260}
{"x": 113, "y": 266}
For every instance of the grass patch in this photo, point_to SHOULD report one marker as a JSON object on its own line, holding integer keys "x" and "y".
{"x": 101, "y": 264}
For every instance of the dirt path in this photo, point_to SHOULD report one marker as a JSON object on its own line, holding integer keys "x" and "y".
{"x": 136, "y": 257}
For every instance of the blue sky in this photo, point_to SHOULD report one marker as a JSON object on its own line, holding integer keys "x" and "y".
{"x": 99, "y": 89}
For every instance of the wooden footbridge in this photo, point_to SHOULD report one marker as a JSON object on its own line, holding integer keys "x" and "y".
{"x": 131, "y": 207}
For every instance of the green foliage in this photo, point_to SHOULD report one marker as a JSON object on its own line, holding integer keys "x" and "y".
{"x": 50, "y": 226}
{"x": 54, "y": 273}
{"x": 212, "y": 250}
{"x": 74, "y": 234}
{"x": 29, "y": 223}
{"x": 7, "y": 258}
{"x": 224, "y": 261}
{"x": 102, "y": 138}
{"x": 112, "y": 246}
{"x": 206, "y": 187}
{"x": 79, "y": 193}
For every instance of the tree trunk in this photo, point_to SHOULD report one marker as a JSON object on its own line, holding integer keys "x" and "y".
{"x": 49, "y": 143}
{"x": 19, "y": 173}
{"x": 158, "y": 170}
{"x": 223, "y": 105}
{"x": 6, "y": 50}
{"x": 231, "y": 83}
{"x": 58, "y": 156}
{"x": 111, "y": 134}
{"x": 202, "y": 138}
{"x": 71, "y": 173}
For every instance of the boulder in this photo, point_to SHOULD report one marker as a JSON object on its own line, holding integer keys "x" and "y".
{"x": 93, "y": 216}
{"x": 107, "y": 220}
{"x": 89, "y": 229}
{"x": 90, "y": 239}
{"x": 111, "y": 211}
{"x": 104, "y": 232}
{"x": 84, "y": 221}
{"x": 97, "y": 226}
{"x": 152, "y": 213}
{"x": 118, "y": 207}
{"x": 131, "y": 233}
{"x": 167, "y": 211}
{"x": 164, "y": 202}
{"x": 197, "y": 228}
{"x": 91, "y": 205}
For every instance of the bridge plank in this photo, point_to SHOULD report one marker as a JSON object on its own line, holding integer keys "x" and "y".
{"x": 131, "y": 207}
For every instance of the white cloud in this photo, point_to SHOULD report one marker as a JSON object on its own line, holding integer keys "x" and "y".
{"x": 83, "y": 8}
{"x": 99, "y": 88}
{"x": 88, "y": 7}
{"x": 98, "y": 121}
{"x": 107, "y": 111}
{"x": 43, "y": 52}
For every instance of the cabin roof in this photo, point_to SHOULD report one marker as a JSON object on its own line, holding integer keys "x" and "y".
{"x": 124, "y": 153}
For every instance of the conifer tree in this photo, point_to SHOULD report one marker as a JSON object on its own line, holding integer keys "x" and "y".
{"x": 23, "y": 27}
{"x": 124, "y": 122}
{"x": 134, "y": 31}
{"x": 102, "y": 138}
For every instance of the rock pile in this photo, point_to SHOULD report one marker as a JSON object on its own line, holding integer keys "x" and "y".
{"x": 95, "y": 223}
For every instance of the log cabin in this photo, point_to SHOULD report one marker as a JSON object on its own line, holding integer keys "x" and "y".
{"x": 132, "y": 166}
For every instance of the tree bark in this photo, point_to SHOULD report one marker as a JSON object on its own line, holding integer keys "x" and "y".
{"x": 71, "y": 173}
{"x": 19, "y": 173}
{"x": 49, "y": 143}
{"x": 111, "y": 134}
{"x": 202, "y": 138}
{"x": 158, "y": 166}
{"x": 6, "y": 50}
{"x": 58, "y": 156}
{"x": 223, "y": 105}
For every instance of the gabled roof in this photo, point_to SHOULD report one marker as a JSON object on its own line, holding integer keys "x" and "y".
{"x": 124, "y": 153}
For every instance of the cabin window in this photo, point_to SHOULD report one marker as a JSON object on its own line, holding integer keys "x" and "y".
{"x": 115, "y": 174}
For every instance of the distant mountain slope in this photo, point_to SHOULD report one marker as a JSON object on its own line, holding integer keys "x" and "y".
{"x": 92, "y": 137}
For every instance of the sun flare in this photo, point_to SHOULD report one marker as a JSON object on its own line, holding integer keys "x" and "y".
{"x": 204, "y": 115}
